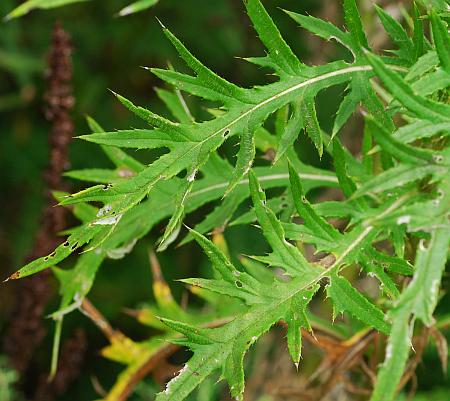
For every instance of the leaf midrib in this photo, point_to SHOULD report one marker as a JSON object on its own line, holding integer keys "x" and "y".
{"x": 285, "y": 92}
{"x": 293, "y": 291}
{"x": 272, "y": 177}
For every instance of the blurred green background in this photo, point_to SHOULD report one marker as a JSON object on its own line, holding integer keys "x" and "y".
{"x": 108, "y": 53}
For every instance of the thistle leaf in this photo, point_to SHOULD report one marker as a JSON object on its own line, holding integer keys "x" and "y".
{"x": 346, "y": 183}
{"x": 173, "y": 227}
{"x": 308, "y": 109}
{"x": 346, "y": 298}
{"x": 244, "y": 161}
{"x": 397, "y": 33}
{"x": 354, "y": 25}
{"x": 397, "y": 351}
{"x": 405, "y": 153}
{"x": 281, "y": 54}
{"x": 441, "y": 40}
{"x": 80, "y": 236}
{"x": 395, "y": 177}
{"x": 418, "y": 36}
{"x": 348, "y": 105}
{"x": 419, "y": 130}
{"x": 193, "y": 334}
{"x": 419, "y": 299}
{"x": 290, "y": 131}
{"x": 423, "y": 108}
{"x": 296, "y": 319}
{"x": 398, "y": 196}
{"x": 324, "y": 29}
{"x": 312, "y": 220}
{"x": 290, "y": 257}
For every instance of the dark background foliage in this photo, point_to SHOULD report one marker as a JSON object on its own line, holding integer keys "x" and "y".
{"x": 107, "y": 53}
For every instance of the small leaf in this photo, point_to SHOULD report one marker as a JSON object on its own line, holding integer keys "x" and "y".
{"x": 390, "y": 263}
{"x": 420, "y": 106}
{"x": 290, "y": 257}
{"x": 396, "y": 32}
{"x": 312, "y": 220}
{"x": 421, "y": 129}
{"x": 234, "y": 282}
{"x": 29, "y": 5}
{"x": 137, "y": 138}
{"x": 154, "y": 119}
{"x": 174, "y": 225}
{"x": 220, "y": 262}
{"x": 269, "y": 34}
{"x": 290, "y": 131}
{"x": 308, "y": 110}
{"x": 418, "y": 36}
{"x": 244, "y": 161}
{"x": 137, "y": 6}
{"x": 354, "y": 25}
{"x": 400, "y": 151}
{"x": 322, "y": 28}
{"x": 207, "y": 78}
{"x": 193, "y": 334}
{"x": 441, "y": 40}
{"x": 395, "y": 177}
{"x": 432, "y": 82}
{"x": 429, "y": 267}
{"x": 346, "y": 298}
{"x": 426, "y": 63}
{"x": 346, "y": 108}
{"x": 297, "y": 319}
{"x": 78, "y": 238}
{"x": 397, "y": 351}
{"x": 374, "y": 270}
{"x": 347, "y": 185}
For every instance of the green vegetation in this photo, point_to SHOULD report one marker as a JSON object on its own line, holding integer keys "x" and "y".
{"x": 388, "y": 217}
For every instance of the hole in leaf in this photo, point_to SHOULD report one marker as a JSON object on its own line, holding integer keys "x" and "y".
{"x": 423, "y": 245}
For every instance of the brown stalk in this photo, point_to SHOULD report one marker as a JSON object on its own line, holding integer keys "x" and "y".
{"x": 26, "y": 330}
